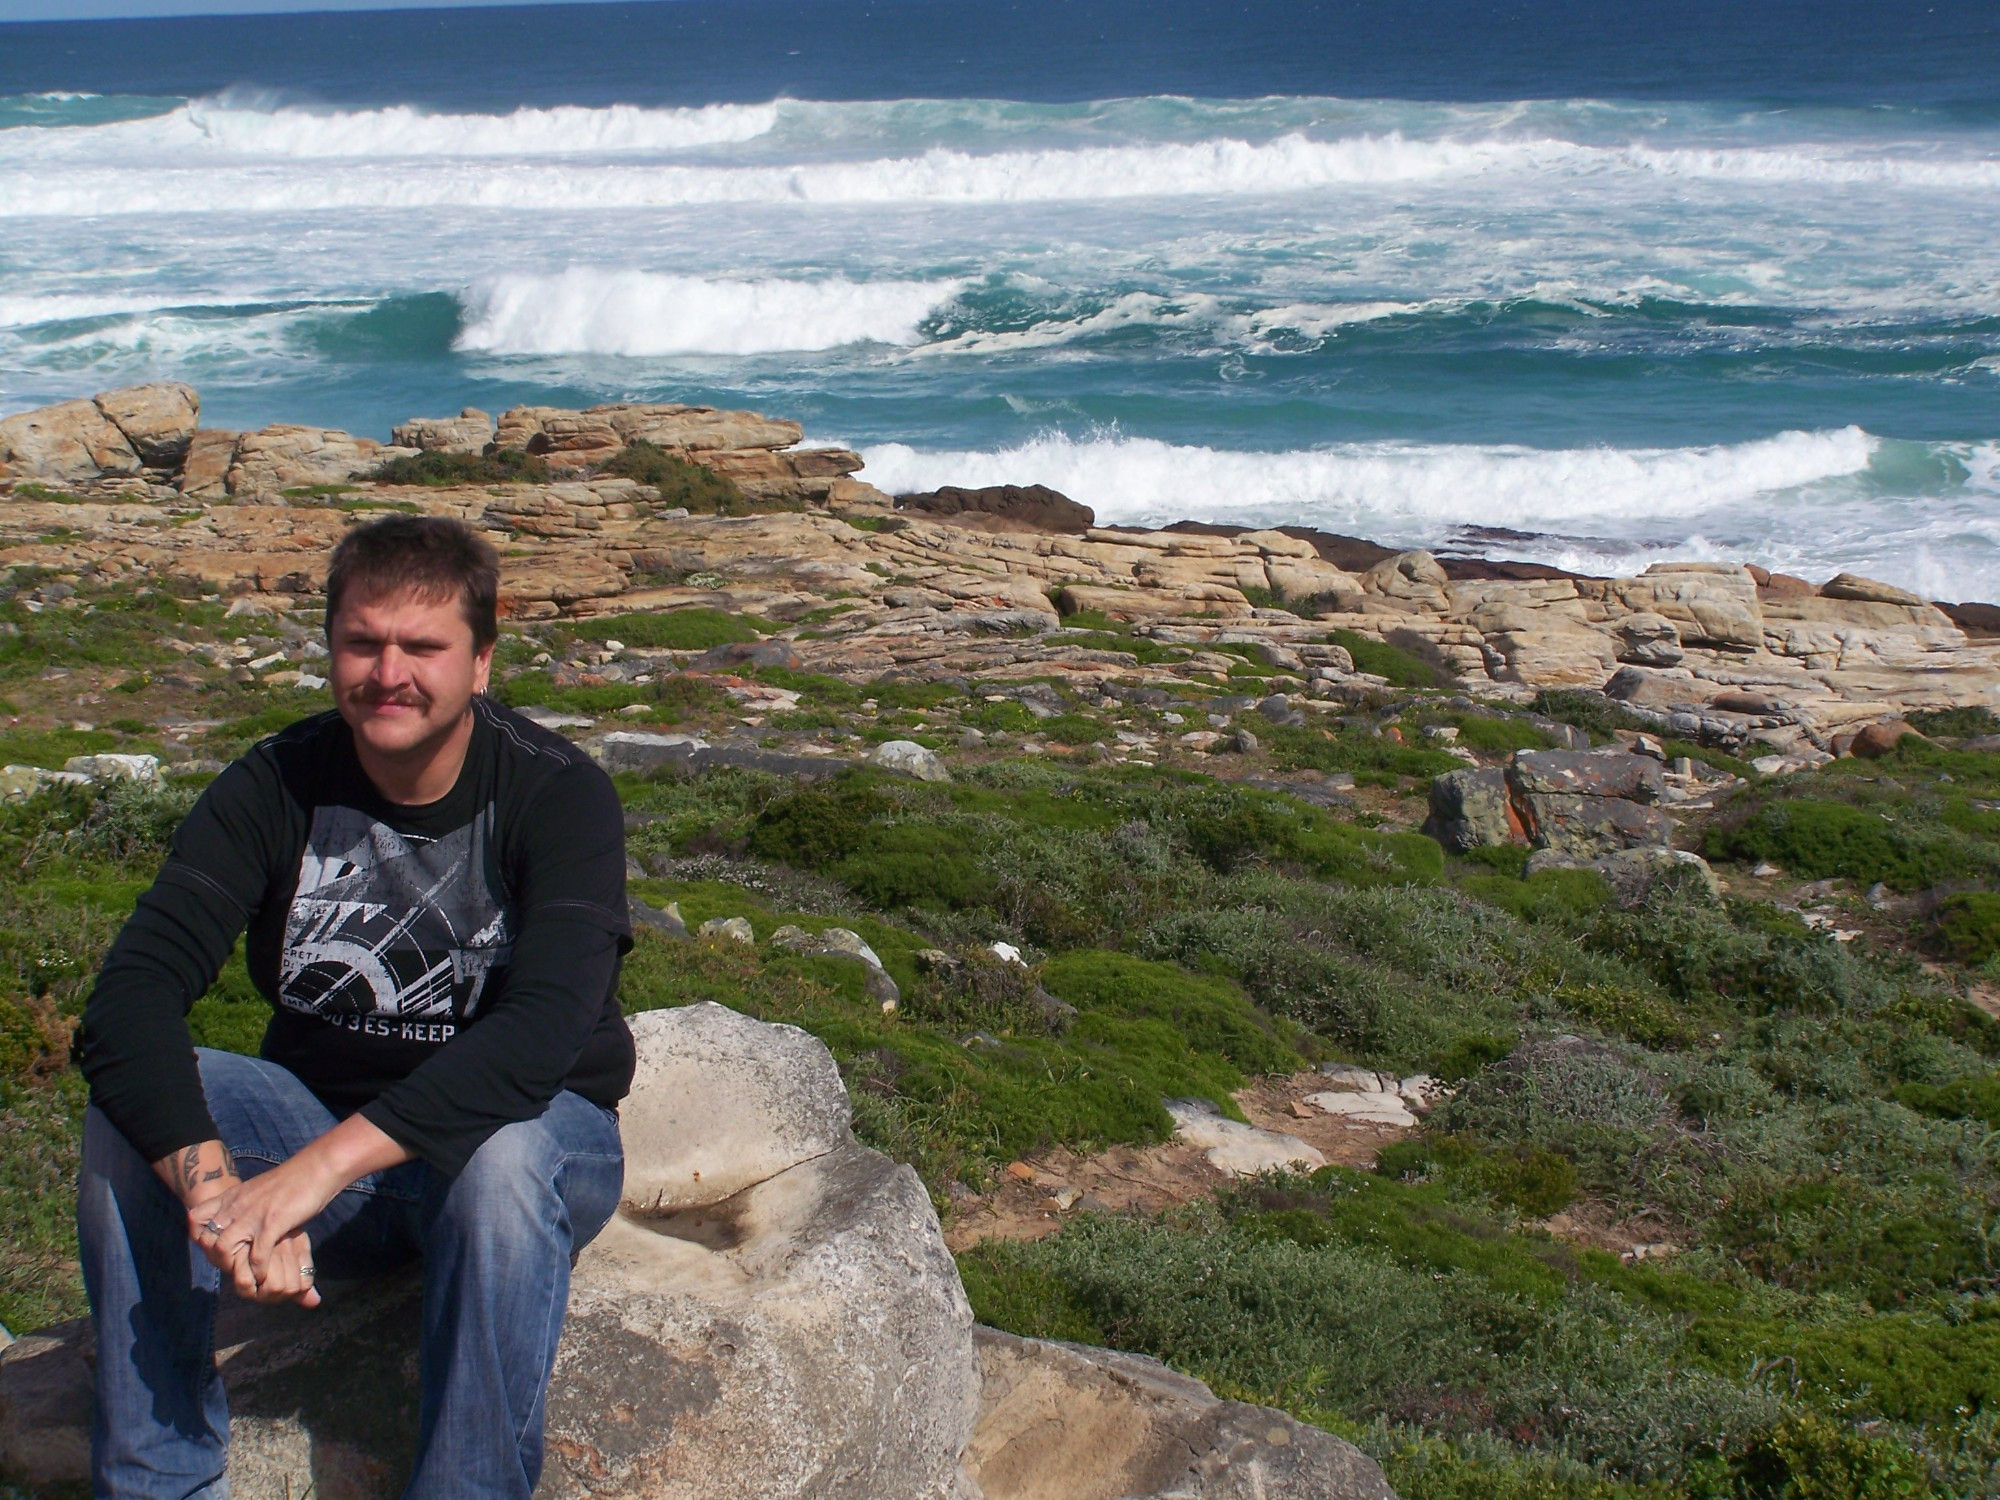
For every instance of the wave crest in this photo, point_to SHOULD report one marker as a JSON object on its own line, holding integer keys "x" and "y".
{"x": 586, "y": 310}
{"x": 1391, "y": 487}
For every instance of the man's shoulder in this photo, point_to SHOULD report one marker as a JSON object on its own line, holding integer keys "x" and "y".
{"x": 547, "y": 787}
{"x": 520, "y": 740}
{"x": 292, "y": 757}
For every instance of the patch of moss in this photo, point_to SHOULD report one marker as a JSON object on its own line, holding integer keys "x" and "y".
{"x": 668, "y": 699}
{"x": 49, "y": 748}
{"x": 692, "y": 629}
{"x": 1976, "y": 1098}
{"x": 1500, "y": 736}
{"x": 1314, "y": 749}
{"x": 1402, "y": 667}
{"x": 1212, "y": 1014}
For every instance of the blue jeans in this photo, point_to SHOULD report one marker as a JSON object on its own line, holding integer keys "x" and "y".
{"x": 496, "y": 1242}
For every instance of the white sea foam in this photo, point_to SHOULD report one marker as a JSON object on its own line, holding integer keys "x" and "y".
{"x": 405, "y": 160}
{"x": 209, "y": 129}
{"x": 28, "y": 310}
{"x": 587, "y": 310}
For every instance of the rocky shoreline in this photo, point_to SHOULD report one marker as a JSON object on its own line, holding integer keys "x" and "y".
{"x": 1010, "y": 583}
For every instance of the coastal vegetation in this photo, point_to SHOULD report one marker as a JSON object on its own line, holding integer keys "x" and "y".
{"x": 1709, "y": 1209}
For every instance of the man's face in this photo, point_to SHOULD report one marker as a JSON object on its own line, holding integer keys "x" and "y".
{"x": 404, "y": 671}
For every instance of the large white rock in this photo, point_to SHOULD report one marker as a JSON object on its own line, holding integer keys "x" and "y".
{"x": 1364, "y": 1109}
{"x": 1240, "y": 1150}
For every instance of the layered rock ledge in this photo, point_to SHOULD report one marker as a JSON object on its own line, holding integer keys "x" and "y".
{"x": 976, "y": 583}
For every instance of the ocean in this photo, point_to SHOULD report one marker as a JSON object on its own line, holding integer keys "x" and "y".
{"x": 1582, "y": 284}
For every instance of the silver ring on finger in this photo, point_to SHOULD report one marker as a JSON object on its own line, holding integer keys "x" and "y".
{"x": 211, "y": 1227}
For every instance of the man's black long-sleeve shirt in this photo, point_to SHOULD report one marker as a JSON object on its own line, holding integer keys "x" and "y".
{"x": 444, "y": 969}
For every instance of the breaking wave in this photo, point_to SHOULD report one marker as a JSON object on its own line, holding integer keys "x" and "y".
{"x": 584, "y": 310}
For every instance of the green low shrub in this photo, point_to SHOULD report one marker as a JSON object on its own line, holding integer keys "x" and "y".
{"x": 1813, "y": 840}
{"x": 1500, "y": 736}
{"x": 680, "y": 482}
{"x": 1812, "y": 1457}
{"x": 1904, "y": 1367}
{"x": 1969, "y": 923}
{"x": 1954, "y": 723}
{"x": 1964, "y": 1099}
{"x": 1593, "y": 713}
{"x": 1315, "y": 749}
{"x": 435, "y": 470}
{"x": 914, "y": 865}
{"x": 1834, "y": 1234}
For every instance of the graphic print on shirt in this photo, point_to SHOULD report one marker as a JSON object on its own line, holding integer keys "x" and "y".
{"x": 389, "y": 925}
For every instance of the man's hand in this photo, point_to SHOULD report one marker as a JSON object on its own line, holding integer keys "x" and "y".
{"x": 252, "y": 1230}
{"x": 204, "y": 1177}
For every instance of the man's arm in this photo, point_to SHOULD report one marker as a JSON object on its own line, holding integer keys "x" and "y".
{"x": 134, "y": 1046}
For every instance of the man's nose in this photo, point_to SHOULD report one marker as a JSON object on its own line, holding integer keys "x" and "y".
{"x": 392, "y": 666}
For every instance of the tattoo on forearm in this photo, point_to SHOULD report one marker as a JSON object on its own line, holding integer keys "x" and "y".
{"x": 191, "y": 1175}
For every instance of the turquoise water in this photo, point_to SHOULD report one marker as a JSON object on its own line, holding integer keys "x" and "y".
{"x": 1715, "y": 284}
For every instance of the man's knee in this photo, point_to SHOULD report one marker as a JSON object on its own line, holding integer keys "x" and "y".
{"x": 533, "y": 1181}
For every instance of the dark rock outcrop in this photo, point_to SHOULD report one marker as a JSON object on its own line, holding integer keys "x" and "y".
{"x": 1003, "y": 507}
{"x": 1580, "y": 803}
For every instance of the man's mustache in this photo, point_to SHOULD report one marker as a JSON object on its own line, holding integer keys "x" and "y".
{"x": 400, "y": 700}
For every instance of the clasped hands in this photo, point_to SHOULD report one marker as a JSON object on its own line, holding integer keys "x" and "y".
{"x": 250, "y": 1229}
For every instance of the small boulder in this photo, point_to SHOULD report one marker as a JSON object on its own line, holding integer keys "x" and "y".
{"x": 733, "y": 654}
{"x": 1646, "y": 639}
{"x": 1632, "y": 873}
{"x": 468, "y": 432}
{"x": 640, "y": 750}
{"x": 1877, "y": 740}
{"x": 908, "y": 758}
{"x": 1365, "y": 1109}
{"x": 1003, "y": 507}
{"x": 735, "y": 929}
{"x": 68, "y": 443}
{"x": 1279, "y": 710}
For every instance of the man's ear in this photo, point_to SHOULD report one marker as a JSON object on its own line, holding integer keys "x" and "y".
{"x": 482, "y": 668}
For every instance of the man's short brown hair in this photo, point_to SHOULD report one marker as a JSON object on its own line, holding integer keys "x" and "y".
{"x": 433, "y": 557}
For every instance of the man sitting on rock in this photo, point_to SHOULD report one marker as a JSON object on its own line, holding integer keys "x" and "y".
{"x": 434, "y": 890}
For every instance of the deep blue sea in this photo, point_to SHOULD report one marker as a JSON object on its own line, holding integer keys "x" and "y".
{"x": 1590, "y": 283}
